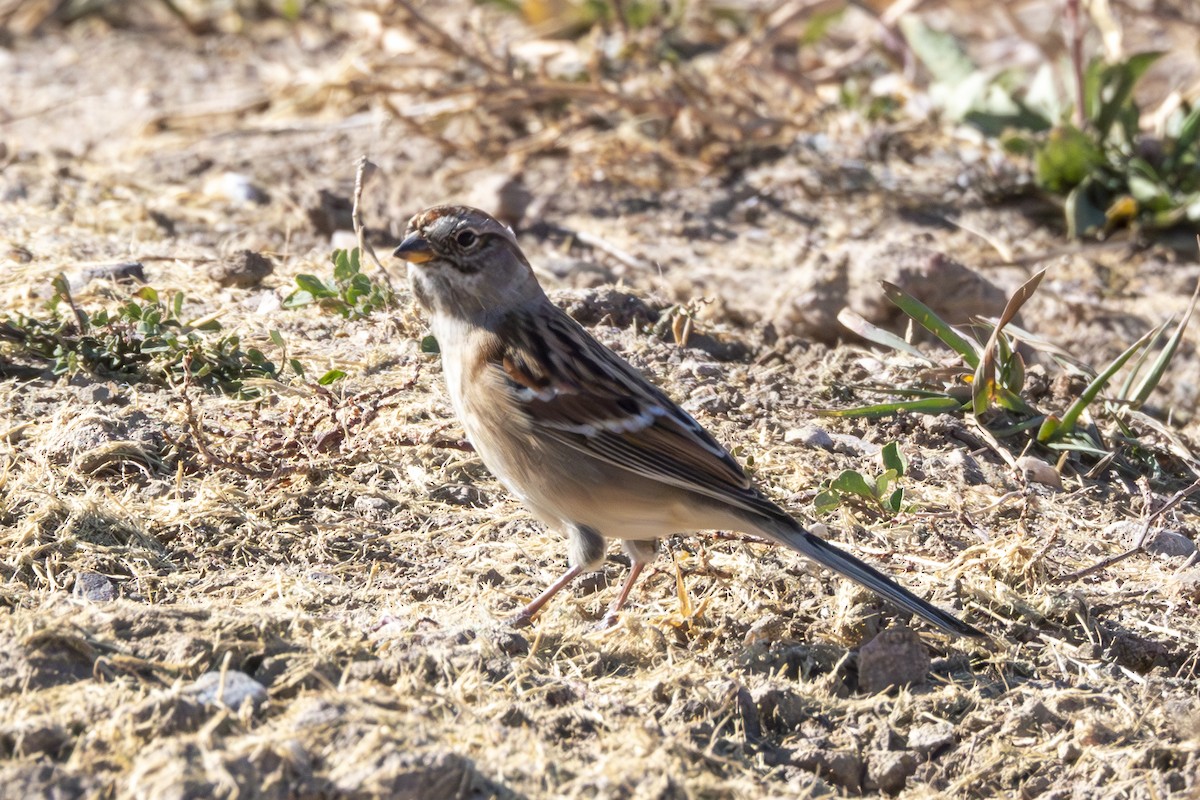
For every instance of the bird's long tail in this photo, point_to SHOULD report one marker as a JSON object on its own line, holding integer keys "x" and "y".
{"x": 790, "y": 533}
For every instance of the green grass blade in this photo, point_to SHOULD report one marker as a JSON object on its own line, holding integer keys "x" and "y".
{"x": 1088, "y": 396}
{"x": 1126, "y": 391}
{"x": 1148, "y": 384}
{"x": 930, "y": 405}
{"x": 1020, "y": 427}
{"x": 873, "y": 333}
{"x": 931, "y": 322}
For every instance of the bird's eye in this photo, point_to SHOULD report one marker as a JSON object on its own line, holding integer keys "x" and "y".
{"x": 466, "y": 238}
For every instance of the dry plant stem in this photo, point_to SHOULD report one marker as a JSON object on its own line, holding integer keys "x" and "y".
{"x": 597, "y": 243}
{"x": 442, "y": 40}
{"x": 216, "y": 460}
{"x": 362, "y": 172}
{"x": 65, "y": 294}
{"x": 1140, "y": 543}
{"x": 1075, "y": 39}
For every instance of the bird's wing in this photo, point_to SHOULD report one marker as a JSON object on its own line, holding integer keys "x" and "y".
{"x": 575, "y": 390}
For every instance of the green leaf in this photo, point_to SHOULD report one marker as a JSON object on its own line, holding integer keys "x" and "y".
{"x": 896, "y": 501}
{"x": 893, "y": 459}
{"x": 852, "y": 482}
{"x": 826, "y": 501}
{"x": 345, "y": 267}
{"x": 154, "y": 344}
{"x": 1067, "y": 156}
{"x": 940, "y": 52}
{"x": 931, "y": 322}
{"x": 1082, "y": 213}
{"x": 297, "y": 367}
{"x": 313, "y": 285}
{"x": 430, "y": 345}
{"x": 1048, "y": 429}
{"x": 177, "y": 305}
{"x": 276, "y": 338}
{"x": 872, "y": 333}
{"x": 926, "y": 405}
{"x": 1116, "y": 89}
{"x": 298, "y": 299}
{"x": 1150, "y": 382}
{"x": 330, "y": 377}
{"x": 1189, "y": 133}
{"x": 1093, "y": 389}
{"x": 147, "y": 293}
{"x": 882, "y": 481}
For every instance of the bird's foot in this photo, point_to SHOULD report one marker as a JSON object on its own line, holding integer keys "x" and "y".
{"x": 608, "y": 621}
{"x": 522, "y": 619}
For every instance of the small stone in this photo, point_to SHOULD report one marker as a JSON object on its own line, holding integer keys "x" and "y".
{"x": 809, "y": 436}
{"x": 511, "y": 643}
{"x": 896, "y": 657}
{"x": 236, "y": 689}
{"x": 843, "y": 767}
{"x": 236, "y": 188}
{"x": 245, "y": 269}
{"x": 766, "y": 629}
{"x": 372, "y": 505}
{"x": 929, "y": 740}
{"x": 888, "y": 771}
{"x": 1173, "y": 544}
{"x": 780, "y": 709}
{"x": 343, "y": 240}
{"x": 1093, "y": 732}
{"x": 1069, "y": 752}
{"x": 1037, "y": 471}
{"x": 1158, "y": 541}
{"x": 94, "y": 587}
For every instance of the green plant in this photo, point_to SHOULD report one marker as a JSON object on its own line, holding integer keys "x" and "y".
{"x": 854, "y": 488}
{"x": 350, "y": 293}
{"x": 1107, "y": 170}
{"x": 144, "y": 338}
{"x": 990, "y": 380}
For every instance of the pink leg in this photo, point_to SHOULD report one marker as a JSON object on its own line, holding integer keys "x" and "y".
{"x": 614, "y": 610}
{"x": 524, "y": 617}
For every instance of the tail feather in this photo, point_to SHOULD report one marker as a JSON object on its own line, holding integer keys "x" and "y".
{"x": 789, "y": 533}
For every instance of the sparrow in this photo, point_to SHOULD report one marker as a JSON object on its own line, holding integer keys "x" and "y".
{"x": 589, "y": 445}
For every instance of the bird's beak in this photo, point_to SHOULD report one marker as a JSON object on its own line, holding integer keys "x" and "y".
{"x": 414, "y": 249}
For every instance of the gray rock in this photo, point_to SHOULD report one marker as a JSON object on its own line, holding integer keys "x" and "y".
{"x": 888, "y": 771}
{"x": 929, "y": 740}
{"x": 843, "y": 767}
{"x": 896, "y": 657}
{"x": 94, "y": 587}
{"x": 237, "y": 688}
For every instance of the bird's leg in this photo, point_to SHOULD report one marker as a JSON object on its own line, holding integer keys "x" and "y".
{"x": 585, "y": 552}
{"x": 640, "y": 554}
{"x": 614, "y": 610}
{"x": 525, "y": 616}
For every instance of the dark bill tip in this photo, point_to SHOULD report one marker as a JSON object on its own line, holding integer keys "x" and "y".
{"x": 414, "y": 249}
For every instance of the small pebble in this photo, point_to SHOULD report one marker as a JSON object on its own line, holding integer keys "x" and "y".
{"x": 896, "y": 657}
{"x": 94, "y": 587}
{"x": 238, "y": 687}
{"x": 1037, "y": 471}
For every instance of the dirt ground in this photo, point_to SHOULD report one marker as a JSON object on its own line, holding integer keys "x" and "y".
{"x": 337, "y": 565}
